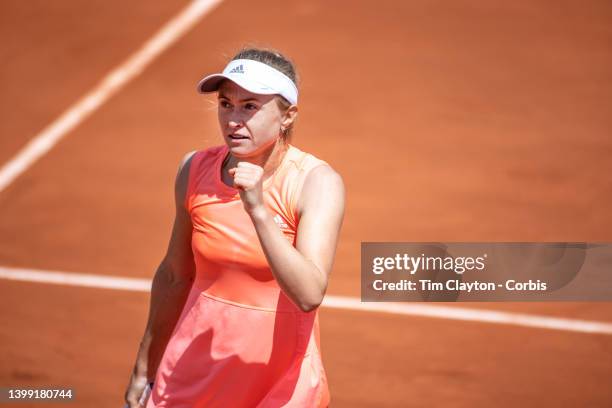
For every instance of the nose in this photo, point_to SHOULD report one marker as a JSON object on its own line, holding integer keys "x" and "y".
{"x": 235, "y": 120}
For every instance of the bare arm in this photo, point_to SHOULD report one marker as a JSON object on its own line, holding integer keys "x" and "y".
{"x": 303, "y": 271}
{"x": 170, "y": 288}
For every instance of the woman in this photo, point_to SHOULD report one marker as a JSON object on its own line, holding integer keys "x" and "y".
{"x": 233, "y": 313}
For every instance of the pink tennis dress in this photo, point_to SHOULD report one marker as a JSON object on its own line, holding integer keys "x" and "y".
{"x": 240, "y": 342}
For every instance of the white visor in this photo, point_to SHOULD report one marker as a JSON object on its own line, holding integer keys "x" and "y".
{"x": 254, "y": 76}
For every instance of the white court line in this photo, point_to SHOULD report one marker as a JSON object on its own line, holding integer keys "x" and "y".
{"x": 113, "y": 82}
{"x": 335, "y": 302}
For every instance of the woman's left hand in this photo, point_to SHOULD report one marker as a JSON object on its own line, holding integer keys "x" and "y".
{"x": 248, "y": 179}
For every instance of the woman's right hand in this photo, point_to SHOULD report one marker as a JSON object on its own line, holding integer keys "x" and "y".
{"x": 137, "y": 385}
{"x": 169, "y": 290}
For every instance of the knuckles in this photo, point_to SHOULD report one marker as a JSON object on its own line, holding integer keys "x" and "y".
{"x": 248, "y": 165}
{"x": 249, "y": 172}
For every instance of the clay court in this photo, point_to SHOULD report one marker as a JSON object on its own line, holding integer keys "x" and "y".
{"x": 470, "y": 120}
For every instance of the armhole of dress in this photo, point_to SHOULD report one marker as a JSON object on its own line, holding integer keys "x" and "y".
{"x": 193, "y": 166}
{"x": 295, "y": 197}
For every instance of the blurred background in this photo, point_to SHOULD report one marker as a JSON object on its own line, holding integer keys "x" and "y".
{"x": 468, "y": 120}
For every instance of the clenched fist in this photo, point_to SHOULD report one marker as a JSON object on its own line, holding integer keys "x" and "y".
{"x": 248, "y": 179}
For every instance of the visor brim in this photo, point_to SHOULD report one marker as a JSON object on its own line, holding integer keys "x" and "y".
{"x": 212, "y": 82}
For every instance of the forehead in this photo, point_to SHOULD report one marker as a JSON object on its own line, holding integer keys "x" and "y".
{"x": 231, "y": 90}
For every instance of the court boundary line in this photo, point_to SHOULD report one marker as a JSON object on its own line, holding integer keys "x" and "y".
{"x": 331, "y": 301}
{"x": 112, "y": 83}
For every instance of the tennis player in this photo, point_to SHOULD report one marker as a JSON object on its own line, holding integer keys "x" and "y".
{"x": 233, "y": 314}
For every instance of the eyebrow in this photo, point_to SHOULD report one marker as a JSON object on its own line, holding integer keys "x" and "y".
{"x": 243, "y": 100}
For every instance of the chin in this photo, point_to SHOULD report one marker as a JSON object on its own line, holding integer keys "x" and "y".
{"x": 241, "y": 151}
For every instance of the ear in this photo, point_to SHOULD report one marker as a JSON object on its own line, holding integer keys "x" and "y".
{"x": 289, "y": 117}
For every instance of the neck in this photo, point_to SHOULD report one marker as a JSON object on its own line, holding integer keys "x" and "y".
{"x": 269, "y": 159}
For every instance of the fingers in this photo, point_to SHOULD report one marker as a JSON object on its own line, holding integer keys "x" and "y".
{"x": 245, "y": 183}
{"x": 248, "y": 168}
{"x": 131, "y": 397}
{"x": 247, "y": 164}
{"x": 135, "y": 402}
{"x": 246, "y": 175}
{"x": 137, "y": 385}
{"x": 131, "y": 403}
{"x": 145, "y": 396}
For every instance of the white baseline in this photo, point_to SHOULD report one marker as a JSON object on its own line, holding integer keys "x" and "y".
{"x": 111, "y": 84}
{"x": 335, "y": 302}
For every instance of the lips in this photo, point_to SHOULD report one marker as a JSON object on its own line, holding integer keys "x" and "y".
{"x": 237, "y": 137}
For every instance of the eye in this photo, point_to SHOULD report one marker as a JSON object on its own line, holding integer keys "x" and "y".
{"x": 224, "y": 104}
{"x": 250, "y": 106}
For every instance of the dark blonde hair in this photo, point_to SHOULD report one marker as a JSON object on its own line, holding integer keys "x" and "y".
{"x": 277, "y": 61}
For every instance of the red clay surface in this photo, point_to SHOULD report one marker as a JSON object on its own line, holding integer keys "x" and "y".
{"x": 476, "y": 121}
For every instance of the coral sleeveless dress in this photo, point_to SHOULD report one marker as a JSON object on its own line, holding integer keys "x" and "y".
{"x": 239, "y": 341}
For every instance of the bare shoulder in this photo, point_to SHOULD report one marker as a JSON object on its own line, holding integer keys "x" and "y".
{"x": 182, "y": 176}
{"x": 186, "y": 161}
{"x": 322, "y": 186}
{"x": 324, "y": 175}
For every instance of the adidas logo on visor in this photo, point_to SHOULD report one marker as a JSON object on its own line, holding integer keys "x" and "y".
{"x": 237, "y": 70}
